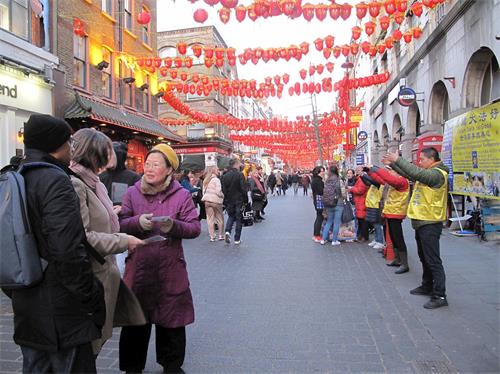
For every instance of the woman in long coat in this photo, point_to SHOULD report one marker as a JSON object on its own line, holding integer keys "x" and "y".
{"x": 158, "y": 205}
{"x": 92, "y": 153}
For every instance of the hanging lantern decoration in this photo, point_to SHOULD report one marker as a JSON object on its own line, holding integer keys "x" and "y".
{"x": 304, "y": 47}
{"x": 399, "y": 18}
{"x": 188, "y": 62}
{"x": 361, "y": 10}
{"x": 345, "y": 11}
{"x": 356, "y": 32}
{"x": 182, "y": 48}
{"x": 329, "y": 66}
{"x": 374, "y": 8}
{"x": 397, "y": 35}
{"x": 321, "y": 11}
{"x": 329, "y": 40}
{"x": 407, "y": 36}
{"x": 308, "y": 12}
{"x": 389, "y": 42}
{"x": 78, "y": 27}
{"x": 381, "y": 48}
{"x": 241, "y": 12}
{"x": 417, "y": 32}
{"x": 184, "y": 76}
{"x": 417, "y": 9}
{"x": 373, "y": 51}
{"x": 346, "y": 49}
{"x": 402, "y": 5}
{"x": 251, "y": 13}
{"x": 178, "y": 62}
{"x": 354, "y": 48}
{"x": 370, "y": 28}
{"x": 334, "y": 11}
{"x": 219, "y": 52}
{"x": 287, "y": 7}
{"x": 384, "y": 22}
{"x": 286, "y": 78}
{"x": 173, "y": 74}
{"x": 336, "y": 51}
{"x": 390, "y": 6}
{"x": 196, "y": 50}
{"x": 303, "y": 73}
{"x": 312, "y": 70}
{"x": 229, "y": 3}
{"x": 209, "y": 52}
{"x": 143, "y": 18}
{"x": 320, "y": 68}
{"x": 200, "y": 15}
{"x": 327, "y": 52}
{"x": 274, "y": 8}
{"x": 428, "y": 3}
{"x": 260, "y": 7}
{"x": 211, "y": 2}
{"x": 224, "y": 15}
{"x": 209, "y": 62}
{"x": 318, "y": 43}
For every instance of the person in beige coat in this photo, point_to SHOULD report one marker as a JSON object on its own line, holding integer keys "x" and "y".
{"x": 92, "y": 153}
{"x": 213, "y": 198}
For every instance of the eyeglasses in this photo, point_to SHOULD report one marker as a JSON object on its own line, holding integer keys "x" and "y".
{"x": 152, "y": 165}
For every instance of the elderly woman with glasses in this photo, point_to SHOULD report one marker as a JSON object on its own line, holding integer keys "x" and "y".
{"x": 92, "y": 151}
{"x": 159, "y": 208}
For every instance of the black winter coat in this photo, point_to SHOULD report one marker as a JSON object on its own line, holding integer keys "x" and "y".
{"x": 234, "y": 187}
{"x": 67, "y": 308}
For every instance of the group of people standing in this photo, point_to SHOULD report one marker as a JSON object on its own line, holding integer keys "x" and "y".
{"x": 279, "y": 182}
{"x": 382, "y": 200}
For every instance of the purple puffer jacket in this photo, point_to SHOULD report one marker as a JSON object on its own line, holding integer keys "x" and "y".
{"x": 157, "y": 272}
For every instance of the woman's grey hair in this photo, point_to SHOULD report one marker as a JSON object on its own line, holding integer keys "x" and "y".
{"x": 92, "y": 149}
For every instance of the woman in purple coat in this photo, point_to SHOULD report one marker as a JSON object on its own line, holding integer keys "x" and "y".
{"x": 157, "y": 273}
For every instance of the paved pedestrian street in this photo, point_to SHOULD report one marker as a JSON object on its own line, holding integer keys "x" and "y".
{"x": 281, "y": 303}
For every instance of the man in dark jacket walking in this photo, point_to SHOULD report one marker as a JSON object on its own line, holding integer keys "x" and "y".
{"x": 56, "y": 320}
{"x": 118, "y": 179}
{"x": 234, "y": 188}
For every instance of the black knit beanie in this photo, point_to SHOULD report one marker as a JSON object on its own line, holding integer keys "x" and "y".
{"x": 45, "y": 132}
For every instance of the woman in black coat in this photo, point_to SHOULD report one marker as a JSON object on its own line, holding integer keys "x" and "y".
{"x": 317, "y": 186}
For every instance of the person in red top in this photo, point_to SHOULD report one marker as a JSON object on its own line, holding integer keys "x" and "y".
{"x": 359, "y": 191}
{"x": 396, "y": 204}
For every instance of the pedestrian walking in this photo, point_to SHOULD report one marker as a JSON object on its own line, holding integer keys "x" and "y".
{"x": 427, "y": 210}
{"x": 271, "y": 182}
{"x": 279, "y": 183}
{"x": 359, "y": 191}
{"x": 334, "y": 194}
{"x": 306, "y": 181}
{"x": 317, "y": 186}
{"x": 93, "y": 150}
{"x": 257, "y": 195}
{"x": 235, "y": 195}
{"x": 213, "y": 199}
{"x": 394, "y": 211}
{"x": 295, "y": 183}
{"x": 57, "y": 319}
{"x": 159, "y": 209}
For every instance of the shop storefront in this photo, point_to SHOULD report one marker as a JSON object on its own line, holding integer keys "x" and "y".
{"x": 21, "y": 94}
{"x": 198, "y": 156}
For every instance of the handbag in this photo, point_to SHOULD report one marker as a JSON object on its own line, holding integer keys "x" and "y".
{"x": 347, "y": 213}
{"x": 247, "y": 214}
{"x": 257, "y": 196}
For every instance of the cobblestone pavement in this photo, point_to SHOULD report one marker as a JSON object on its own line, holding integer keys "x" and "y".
{"x": 281, "y": 303}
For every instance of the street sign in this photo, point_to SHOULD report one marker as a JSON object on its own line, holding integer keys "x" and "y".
{"x": 406, "y": 96}
{"x": 362, "y": 135}
{"x": 356, "y": 116}
{"x": 360, "y": 159}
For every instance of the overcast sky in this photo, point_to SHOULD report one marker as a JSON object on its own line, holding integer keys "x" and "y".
{"x": 265, "y": 33}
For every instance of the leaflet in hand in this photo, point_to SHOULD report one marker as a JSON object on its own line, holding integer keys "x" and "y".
{"x": 154, "y": 239}
{"x": 160, "y": 219}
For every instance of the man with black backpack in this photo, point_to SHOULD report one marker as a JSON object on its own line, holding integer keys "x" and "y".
{"x": 56, "y": 319}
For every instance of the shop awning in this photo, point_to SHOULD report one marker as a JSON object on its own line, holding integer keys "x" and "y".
{"x": 86, "y": 107}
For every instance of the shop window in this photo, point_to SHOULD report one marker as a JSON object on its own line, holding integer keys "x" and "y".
{"x": 146, "y": 95}
{"x": 107, "y": 78}
{"x": 79, "y": 61}
{"x": 127, "y": 14}
{"x": 107, "y": 6}
{"x": 146, "y": 34}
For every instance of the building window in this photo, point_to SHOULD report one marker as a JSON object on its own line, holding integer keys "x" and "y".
{"x": 146, "y": 36}
{"x": 146, "y": 96}
{"x": 127, "y": 87}
{"x": 107, "y": 6}
{"x": 79, "y": 61}
{"x": 14, "y": 17}
{"x": 127, "y": 14}
{"x": 107, "y": 79}
{"x": 168, "y": 52}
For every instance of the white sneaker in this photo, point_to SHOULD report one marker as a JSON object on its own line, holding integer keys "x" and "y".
{"x": 322, "y": 242}
{"x": 237, "y": 242}
{"x": 379, "y": 246}
{"x": 227, "y": 237}
{"x": 372, "y": 243}
{"x": 336, "y": 242}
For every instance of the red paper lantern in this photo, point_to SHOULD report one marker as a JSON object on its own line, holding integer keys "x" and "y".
{"x": 312, "y": 70}
{"x": 428, "y": 3}
{"x": 286, "y": 78}
{"x": 219, "y": 52}
{"x": 304, "y": 47}
{"x": 224, "y": 15}
{"x": 320, "y": 68}
{"x": 209, "y": 62}
{"x": 354, "y": 48}
{"x": 389, "y": 42}
{"x": 374, "y": 8}
{"x": 157, "y": 62}
{"x": 334, "y": 11}
{"x": 274, "y": 8}
{"x": 417, "y": 9}
{"x": 329, "y": 66}
{"x": 373, "y": 51}
{"x": 346, "y": 49}
{"x": 261, "y": 7}
{"x": 390, "y": 6}
{"x": 321, "y": 11}
{"x": 229, "y": 3}
{"x": 183, "y": 76}
{"x": 402, "y": 5}
{"x": 399, "y": 18}
{"x": 336, "y": 51}
{"x": 318, "y": 43}
{"x": 356, "y": 32}
{"x": 195, "y": 78}
{"x": 384, "y": 22}
{"x": 178, "y": 62}
{"x": 308, "y": 11}
{"x": 327, "y": 52}
{"x": 241, "y": 12}
{"x": 211, "y": 2}
{"x": 329, "y": 40}
{"x": 143, "y": 18}
{"x": 200, "y": 15}
{"x": 163, "y": 71}
{"x": 209, "y": 52}
{"x": 188, "y": 62}
{"x": 397, "y": 35}
{"x": 196, "y": 50}
{"x": 381, "y": 48}
{"x": 303, "y": 73}
{"x": 407, "y": 36}
{"x": 417, "y": 32}
{"x": 361, "y": 10}
{"x": 370, "y": 28}
{"x": 345, "y": 11}
{"x": 173, "y": 74}
{"x": 252, "y": 14}
{"x": 182, "y": 48}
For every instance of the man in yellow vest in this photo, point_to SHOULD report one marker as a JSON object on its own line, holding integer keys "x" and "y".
{"x": 427, "y": 210}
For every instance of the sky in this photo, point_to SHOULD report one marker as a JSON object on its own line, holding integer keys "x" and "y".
{"x": 265, "y": 33}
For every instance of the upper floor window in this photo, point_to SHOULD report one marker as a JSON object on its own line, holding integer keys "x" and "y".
{"x": 146, "y": 34}
{"x": 79, "y": 61}
{"x": 107, "y": 80}
{"x": 168, "y": 52}
{"x": 127, "y": 14}
{"x": 26, "y": 19}
{"x": 107, "y": 6}
{"x": 146, "y": 96}
{"x": 128, "y": 88}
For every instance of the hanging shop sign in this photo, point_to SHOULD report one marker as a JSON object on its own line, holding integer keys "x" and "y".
{"x": 471, "y": 151}
{"x": 356, "y": 116}
{"x": 360, "y": 159}
{"x": 407, "y": 96}
{"x": 362, "y": 135}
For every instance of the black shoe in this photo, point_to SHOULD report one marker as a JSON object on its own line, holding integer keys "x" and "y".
{"x": 175, "y": 370}
{"x": 421, "y": 291}
{"x": 402, "y": 269}
{"x": 394, "y": 263}
{"x": 261, "y": 218}
{"x": 436, "y": 302}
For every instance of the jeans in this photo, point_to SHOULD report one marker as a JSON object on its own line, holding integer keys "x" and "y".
{"x": 234, "y": 215}
{"x": 295, "y": 186}
{"x": 379, "y": 233}
{"x": 318, "y": 222}
{"x": 334, "y": 218}
{"x": 79, "y": 359}
{"x": 433, "y": 276}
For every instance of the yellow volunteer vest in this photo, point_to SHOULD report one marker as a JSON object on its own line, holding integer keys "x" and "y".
{"x": 396, "y": 202}
{"x": 429, "y": 204}
{"x": 373, "y": 197}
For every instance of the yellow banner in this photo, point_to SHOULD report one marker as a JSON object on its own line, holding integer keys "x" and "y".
{"x": 475, "y": 152}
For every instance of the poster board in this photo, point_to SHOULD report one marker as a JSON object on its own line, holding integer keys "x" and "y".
{"x": 471, "y": 149}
